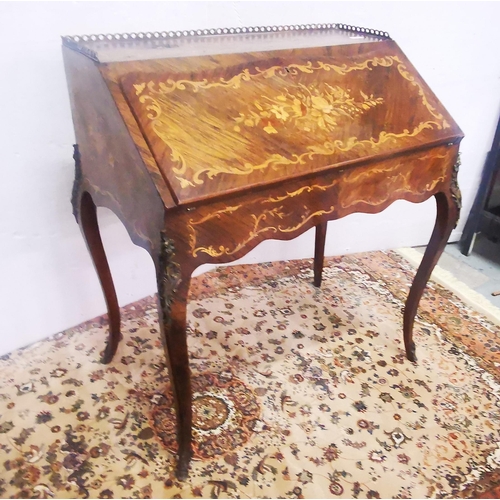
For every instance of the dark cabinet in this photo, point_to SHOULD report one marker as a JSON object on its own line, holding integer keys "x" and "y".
{"x": 485, "y": 214}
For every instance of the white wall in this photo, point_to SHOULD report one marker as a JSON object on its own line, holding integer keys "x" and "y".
{"x": 47, "y": 279}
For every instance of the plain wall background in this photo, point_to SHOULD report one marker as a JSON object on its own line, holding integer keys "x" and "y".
{"x": 47, "y": 279}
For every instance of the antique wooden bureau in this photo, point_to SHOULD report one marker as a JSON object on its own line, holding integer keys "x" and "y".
{"x": 206, "y": 143}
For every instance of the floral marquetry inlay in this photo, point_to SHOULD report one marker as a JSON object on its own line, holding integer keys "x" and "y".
{"x": 308, "y": 108}
{"x": 278, "y": 118}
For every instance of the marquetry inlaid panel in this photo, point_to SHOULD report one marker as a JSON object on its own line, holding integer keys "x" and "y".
{"x": 262, "y": 121}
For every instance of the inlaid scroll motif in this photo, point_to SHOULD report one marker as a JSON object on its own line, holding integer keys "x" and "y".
{"x": 235, "y": 82}
{"x": 396, "y": 179}
{"x": 376, "y": 186}
{"x": 298, "y": 192}
{"x": 169, "y": 276}
{"x": 266, "y": 223}
{"x": 260, "y": 225}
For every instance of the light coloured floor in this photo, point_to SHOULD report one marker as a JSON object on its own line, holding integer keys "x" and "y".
{"x": 480, "y": 271}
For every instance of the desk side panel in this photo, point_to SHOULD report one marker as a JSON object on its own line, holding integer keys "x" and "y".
{"x": 112, "y": 169}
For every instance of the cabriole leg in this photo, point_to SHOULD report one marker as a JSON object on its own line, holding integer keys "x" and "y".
{"x": 87, "y": 219}
{"x": 448, "y": 207}
{"x": 173, "y": 288}
{"x": 319, "y": 252}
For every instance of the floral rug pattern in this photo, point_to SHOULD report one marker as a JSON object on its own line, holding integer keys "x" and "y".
{"x": 298, "y": 393}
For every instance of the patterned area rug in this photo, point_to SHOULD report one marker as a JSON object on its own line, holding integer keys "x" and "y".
{"x": 298, "y": 393}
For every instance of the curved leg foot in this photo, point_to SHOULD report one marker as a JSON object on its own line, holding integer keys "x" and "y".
{"x": 319, "y": 252}
{"x": 411, "y": 352}
{"x": 87, "y": 218}
{"x": 173, "y": 287}
{"x": 182, "y": 470}
{"x": 446, "y": 218}
{"x": 111, "y": 347}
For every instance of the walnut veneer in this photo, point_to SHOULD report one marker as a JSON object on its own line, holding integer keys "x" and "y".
{"x": 207, "y": 144}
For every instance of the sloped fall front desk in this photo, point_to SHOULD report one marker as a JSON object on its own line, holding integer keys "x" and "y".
{"x": 207, "y": 143}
